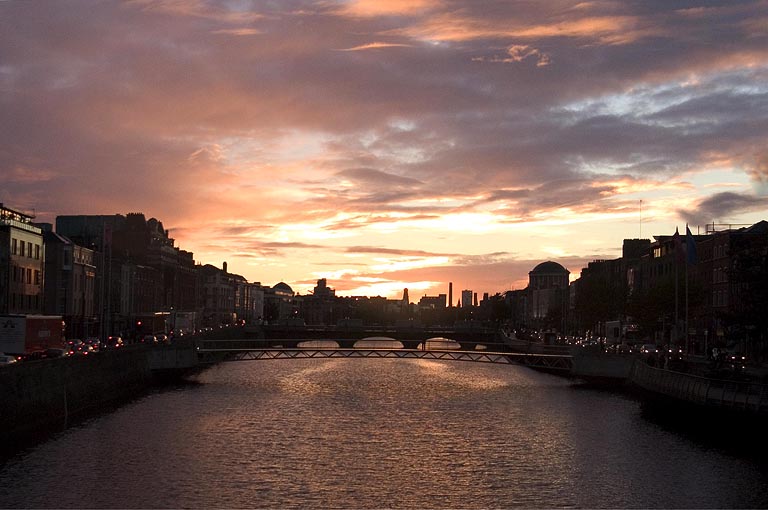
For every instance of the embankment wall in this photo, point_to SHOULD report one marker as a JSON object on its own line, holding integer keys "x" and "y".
{"x": 39, "y": 396}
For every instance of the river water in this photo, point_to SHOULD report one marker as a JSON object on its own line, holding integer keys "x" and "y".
{"x": 376, "y": 433}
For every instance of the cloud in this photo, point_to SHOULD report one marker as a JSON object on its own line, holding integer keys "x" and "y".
{"x": 395, "y": 251}
{"x": 724, "y": 207}
{"x": 518, "y": 53}
{"x": 241, "y": 124}
{"x": 375, "y": 46}
{"x": 372, "y": 8}
{"x": 237, "y": 31}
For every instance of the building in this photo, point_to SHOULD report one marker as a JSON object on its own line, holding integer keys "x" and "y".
{"x": 280, "y": 303}
{"x": 320, "y": 306}
{"x": 139, "y": 270}
{"x": 466, "y": 298}
{"x": 727, "y": 290}
{"x": 22, "y": 259}
{"x": 217, "y": 295}
{"x": 70, "y": 284}
{"x": 548, "y": 296}
{"x": 433, "y": 302}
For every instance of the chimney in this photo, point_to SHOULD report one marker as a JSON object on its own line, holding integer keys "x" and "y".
{"x": 224, "y": 267}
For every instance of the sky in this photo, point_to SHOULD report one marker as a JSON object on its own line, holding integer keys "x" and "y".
{"x": 389, "y": 144}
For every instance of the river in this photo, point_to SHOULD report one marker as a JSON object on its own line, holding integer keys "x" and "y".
{"x": 375, "y": 433}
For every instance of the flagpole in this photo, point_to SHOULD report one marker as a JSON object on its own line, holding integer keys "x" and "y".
{"x": 686, "y": 304}
{"x": 677, "y": 300}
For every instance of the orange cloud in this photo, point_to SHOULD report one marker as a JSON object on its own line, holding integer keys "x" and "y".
{"x": 375, "y": 45}
{"x": 453, "y": 27}
{"x": 371, "y": 8}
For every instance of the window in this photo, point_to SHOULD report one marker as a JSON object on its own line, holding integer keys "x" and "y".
{"x": 29, "y": 275}
{"x": 37, "y": 277}
{"x": 29, "y": 250}
{"x": 21, "y": 248}
{"x": 14, "y": 246}
{"x": 37, "y": 252}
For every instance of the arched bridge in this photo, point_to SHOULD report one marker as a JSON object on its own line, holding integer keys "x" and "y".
{"x": 411, "y": 336}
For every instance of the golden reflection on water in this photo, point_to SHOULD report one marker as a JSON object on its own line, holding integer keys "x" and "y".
{"x": 365, "y": 433}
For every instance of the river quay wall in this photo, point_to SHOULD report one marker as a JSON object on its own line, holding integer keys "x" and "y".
{"x": 41, "y": 396}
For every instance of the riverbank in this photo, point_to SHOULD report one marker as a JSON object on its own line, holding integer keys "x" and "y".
{"x": 41, "y": 397}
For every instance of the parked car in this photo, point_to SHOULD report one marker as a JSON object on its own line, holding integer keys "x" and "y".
{"x": 162, "y": 338}
{"x": 149, "y": 339}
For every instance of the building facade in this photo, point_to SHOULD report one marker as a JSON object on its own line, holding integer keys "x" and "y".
{"x": 548, "y": 296}
{"x": 22, "y": 259}
{"x": 70, "y": 285}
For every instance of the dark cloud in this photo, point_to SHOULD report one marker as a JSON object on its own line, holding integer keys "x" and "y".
{"x": 724, "y": 207}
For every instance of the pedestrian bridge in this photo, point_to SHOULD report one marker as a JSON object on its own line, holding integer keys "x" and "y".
{"x": 217, "y": 351}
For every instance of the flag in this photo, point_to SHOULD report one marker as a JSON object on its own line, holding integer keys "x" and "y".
{"x": 678, "y": 246}
{"x": 690, "y": 246}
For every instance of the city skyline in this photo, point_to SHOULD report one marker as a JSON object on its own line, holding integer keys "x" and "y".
{"x": 389, "y": 145}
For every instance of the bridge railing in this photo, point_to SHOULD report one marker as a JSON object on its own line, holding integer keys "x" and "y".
{"x": 557, "y": 363}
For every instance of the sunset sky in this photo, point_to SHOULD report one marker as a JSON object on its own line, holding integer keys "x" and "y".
{"x": 384, "y": 145}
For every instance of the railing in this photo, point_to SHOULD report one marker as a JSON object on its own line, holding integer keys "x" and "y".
{"x": 538, "y": 361}
{"x": 748, "y": 396}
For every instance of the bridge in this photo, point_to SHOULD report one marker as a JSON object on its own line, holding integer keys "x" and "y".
{"x": 217, "y": 351}
{"x": 476, "y": 344}
{"x": 468, "y": 335}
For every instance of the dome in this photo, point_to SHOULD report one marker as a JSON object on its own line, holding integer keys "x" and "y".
{"x": 283, "y": 287}
{"x": 549, "y": 267}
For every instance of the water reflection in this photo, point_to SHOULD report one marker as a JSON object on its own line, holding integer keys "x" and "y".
{"x": 378, "y": 433}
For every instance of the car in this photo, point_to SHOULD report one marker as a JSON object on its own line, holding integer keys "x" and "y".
{"x": 674, "y": 352}
{"x": 149, "y": 339}
{"x": 113, "y": 342}
{"x": 93, "y": 342}
{"x": 31, "y": 356}
{"x": 54, "y": 352}
{"x": 735, "y": 360}
{"x": 5, "y": 359}
{"x": 85, "y": 350}
{"x": 649, "y": 349}
{"x": 162, "y": 338}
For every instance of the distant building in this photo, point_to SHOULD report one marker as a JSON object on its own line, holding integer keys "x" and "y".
{"x": 466, "y": 298}
{"x": 319, "y": 307}
{"x": 433, "y": 302}
{"x": 548, "y": 295}
{"x": 280, "y": 302}
{"x": 217, "y": 295}
{"x": 22, "y": 258}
